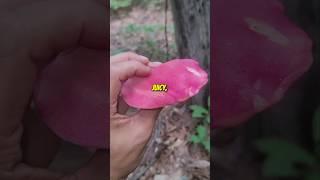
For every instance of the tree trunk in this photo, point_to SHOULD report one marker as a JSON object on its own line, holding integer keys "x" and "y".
{"x": 192, "y": 32}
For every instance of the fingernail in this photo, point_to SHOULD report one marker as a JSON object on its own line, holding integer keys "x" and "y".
{"x": 154, "y": 64}
{"x": 144, "y": 58}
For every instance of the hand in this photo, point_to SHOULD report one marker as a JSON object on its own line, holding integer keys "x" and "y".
{"x": 32, "y": 33}
{"x": 128, "y": 135}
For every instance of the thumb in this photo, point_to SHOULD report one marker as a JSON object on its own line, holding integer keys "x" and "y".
{"x": 145, "y": 121}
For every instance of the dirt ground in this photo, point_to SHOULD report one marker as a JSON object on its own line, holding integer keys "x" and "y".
{"x": 142, "y": 30}
{"x": 172, "y": 156}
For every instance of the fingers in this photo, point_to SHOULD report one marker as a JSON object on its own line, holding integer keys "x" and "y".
{"x": 125, "y": 70}
{"x": 129, "y": 56}
{"x": 120, "y": 72}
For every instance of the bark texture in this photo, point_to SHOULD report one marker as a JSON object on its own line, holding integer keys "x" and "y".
{"x": 192, "y": 32}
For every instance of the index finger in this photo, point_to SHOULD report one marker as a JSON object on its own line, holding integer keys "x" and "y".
{"x": 120, "y": 72}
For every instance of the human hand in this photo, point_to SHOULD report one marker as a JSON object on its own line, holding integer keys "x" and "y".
{"x": 128, "y": 134}
{"x": 32, "y": 33}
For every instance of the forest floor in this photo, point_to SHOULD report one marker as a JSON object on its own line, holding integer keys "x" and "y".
{"x": 141, "y": 29}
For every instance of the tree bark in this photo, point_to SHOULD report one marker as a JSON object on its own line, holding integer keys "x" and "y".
{"x": 192, "y": 32}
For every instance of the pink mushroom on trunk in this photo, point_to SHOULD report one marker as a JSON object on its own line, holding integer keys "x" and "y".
{"x": 257, "y": 54}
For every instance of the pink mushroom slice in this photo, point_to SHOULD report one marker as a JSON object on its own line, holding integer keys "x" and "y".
{"x": 257, "y": 54}
{"x": 71, "y": 97}
{"x": 169, "y": 83}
